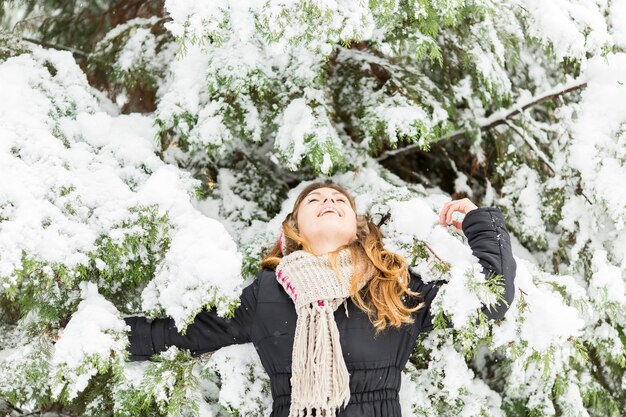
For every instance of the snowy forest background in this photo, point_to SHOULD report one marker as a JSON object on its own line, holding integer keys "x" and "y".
{"x": 149, "y": 151}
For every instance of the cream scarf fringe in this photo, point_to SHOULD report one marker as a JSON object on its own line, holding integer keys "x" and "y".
{"x": 319, "y": 377}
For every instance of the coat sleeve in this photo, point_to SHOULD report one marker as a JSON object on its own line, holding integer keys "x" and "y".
{"x": 423, "y": 316}
{"x": 491, "y": 244}
{"x": 207, "y": 333}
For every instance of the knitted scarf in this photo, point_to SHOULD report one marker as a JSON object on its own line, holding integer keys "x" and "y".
{"x": 319, "y": 377}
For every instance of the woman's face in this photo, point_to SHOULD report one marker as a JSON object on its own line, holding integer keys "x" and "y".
{"x": 325, "y": 215}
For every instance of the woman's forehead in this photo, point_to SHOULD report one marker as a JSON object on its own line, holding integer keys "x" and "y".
{"x": 319, "y": 191}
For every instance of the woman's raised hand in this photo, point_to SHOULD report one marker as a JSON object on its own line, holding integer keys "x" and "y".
{"x": 463, "y": 205}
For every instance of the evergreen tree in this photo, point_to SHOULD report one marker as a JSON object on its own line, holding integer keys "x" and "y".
{"x": 150, "y": 150}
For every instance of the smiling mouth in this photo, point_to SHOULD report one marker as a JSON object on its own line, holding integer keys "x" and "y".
{"x": 327, "y": 211}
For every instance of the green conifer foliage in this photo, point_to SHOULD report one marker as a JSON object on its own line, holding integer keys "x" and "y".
{"x": 149, "y": 151}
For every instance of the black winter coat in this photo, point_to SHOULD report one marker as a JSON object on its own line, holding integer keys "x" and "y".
{"x": 267, "y": 318}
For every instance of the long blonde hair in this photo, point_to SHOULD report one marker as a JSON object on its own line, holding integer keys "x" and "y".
{"x": 381, "y": 298}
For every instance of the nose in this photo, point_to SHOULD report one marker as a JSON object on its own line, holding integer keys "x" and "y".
{"x": 326, "y": 198}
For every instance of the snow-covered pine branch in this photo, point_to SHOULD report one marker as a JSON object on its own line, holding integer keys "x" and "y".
{"x": 158, "y": 171}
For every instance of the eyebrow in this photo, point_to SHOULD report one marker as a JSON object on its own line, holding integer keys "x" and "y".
{"x": 317, "y": 192}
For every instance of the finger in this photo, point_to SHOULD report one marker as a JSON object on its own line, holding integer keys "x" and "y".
{"x": 444, "y": 211}
{"x": 442, "y": 215}
{"x": 458, "y": 209}
{"x": 451, "y": 210}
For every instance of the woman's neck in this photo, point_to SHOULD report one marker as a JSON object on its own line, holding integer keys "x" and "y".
{"x": 323, "y": 247}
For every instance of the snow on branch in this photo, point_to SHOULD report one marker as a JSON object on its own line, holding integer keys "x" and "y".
{"x": 499, "y": 117}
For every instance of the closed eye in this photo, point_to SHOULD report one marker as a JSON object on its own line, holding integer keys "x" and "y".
{"x": 315, "y": 199}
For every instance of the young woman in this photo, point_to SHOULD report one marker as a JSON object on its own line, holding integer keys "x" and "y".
{"x": 323, "y": 360}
